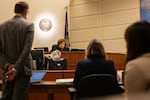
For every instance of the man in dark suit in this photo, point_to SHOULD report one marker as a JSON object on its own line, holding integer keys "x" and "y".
{"x": 16, "y": 37}
{"x": 61, "y": 45}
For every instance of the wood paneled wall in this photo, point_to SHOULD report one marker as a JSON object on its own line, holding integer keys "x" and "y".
{"x": 105, "y": 20}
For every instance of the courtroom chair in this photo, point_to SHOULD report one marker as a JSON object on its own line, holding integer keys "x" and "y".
{"x": 38, "y": 56}
{"x": 54, "y": 46}
{"x": 97, "y": 85}
{"x": 72, "y": 92}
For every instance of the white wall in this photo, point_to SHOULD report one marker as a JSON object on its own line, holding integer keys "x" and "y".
{"x": 54, "y": 9}
{"x": 105, "y": 20}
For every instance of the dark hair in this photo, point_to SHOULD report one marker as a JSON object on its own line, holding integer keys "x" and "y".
{"x": 21, "y": 7}
{"x": 137, "y": 37}
{"x": 95, "y": 48}
{"x": 61, "y": 41}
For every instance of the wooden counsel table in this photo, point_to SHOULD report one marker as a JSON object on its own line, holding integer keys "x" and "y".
{"x": 52, "y": 75}
{"x": 50, "y": 88}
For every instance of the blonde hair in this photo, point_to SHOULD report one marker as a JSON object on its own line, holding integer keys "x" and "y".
{"x": 56, "y": 54}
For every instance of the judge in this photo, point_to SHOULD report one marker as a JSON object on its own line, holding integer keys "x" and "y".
{"x": 61, "y": 45}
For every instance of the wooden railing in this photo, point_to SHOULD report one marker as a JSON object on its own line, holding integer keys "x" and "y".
{"x": 74, "y": 57}
{"x": 118, "y": 58}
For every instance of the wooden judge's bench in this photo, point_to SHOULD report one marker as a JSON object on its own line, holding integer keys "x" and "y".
{"x": 74, "y": 56}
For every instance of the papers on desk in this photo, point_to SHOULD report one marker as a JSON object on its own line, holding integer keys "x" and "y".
{"x": 120, "y": 76}
{"x": 65, "y": 80}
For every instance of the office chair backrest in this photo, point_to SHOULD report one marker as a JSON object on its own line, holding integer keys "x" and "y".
{"x": 58, "y": 64}
{"x": 97, "y": 85}
{"x": 43, "y": 48}
{"x": 38, "y": 55}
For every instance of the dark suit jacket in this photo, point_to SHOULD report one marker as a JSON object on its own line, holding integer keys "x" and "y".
{"x": 16, "y": 37}
{"x": 55, "y": 47}
{"x": 94, "y": 65}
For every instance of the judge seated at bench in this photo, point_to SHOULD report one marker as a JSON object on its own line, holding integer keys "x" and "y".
{"x": 61, "y": 46}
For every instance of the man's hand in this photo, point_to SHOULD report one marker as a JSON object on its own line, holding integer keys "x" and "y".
{"x": 9, "y": 66}
{"x": 11, "y": 74}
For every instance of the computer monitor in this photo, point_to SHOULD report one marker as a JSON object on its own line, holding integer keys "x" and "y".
{"x": 44, "y": 48}
{"x": 38, "y": 56}
{"x": 75, "y": 49}
{"x": 58, "y": 64}
{"x": 37, "y": 76}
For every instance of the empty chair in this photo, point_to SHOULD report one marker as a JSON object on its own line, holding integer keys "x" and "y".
{"x": 97, "y": 85}
{"x": 38, "y": 55}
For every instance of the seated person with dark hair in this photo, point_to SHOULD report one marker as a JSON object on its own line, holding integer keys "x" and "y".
{"x": 96, "y": 62}
{"x": 61, "y": 45}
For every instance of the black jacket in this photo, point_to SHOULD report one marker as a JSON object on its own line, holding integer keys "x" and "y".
{"x": 55, "y": 47}
{"x": 94, "y": 65}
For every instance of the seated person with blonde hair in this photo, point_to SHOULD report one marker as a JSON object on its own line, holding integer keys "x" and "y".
{"x": 56, "y": 62}
{"x": 56, "y": 54}
{"x": 61, "y": 45}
